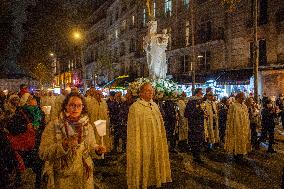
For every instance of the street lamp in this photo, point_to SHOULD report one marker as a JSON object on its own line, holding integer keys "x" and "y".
{"x": 55, "y": 68}
{"x": 79, "y": 38}
{"x": 77, "y": 35}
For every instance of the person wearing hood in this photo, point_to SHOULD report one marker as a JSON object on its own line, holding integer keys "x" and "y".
{"x": 195, "y": 113}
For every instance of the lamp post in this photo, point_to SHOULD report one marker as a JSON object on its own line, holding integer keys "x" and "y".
{"x": 56, "y": 69}
{"x": 255, "y": 50}
{"x": 193, "y": 62}
{"x": 78, "y": 37}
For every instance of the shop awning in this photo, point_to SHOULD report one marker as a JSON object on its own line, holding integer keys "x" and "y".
{"x": 234, "y": 77}
{"x": 199, "y": 78}
{"x": 225, "y": 77}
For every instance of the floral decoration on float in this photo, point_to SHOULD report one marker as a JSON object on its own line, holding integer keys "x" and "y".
{"x": 165, "y": 89}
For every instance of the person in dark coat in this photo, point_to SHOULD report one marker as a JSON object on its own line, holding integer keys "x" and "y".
{"x": 170, "y": 120}
{"x": 223, "y": 113}
{"x": 268, "y": 125}
{"x": 115, "y": 120}
{"x": 194, "y": 111}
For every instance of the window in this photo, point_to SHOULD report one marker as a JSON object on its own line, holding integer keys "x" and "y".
{"x": 144, "y": 17}
{"x": 262, "y": 52}
{"x": 170, "y": 39}
{"x": 116, "y": 34}
{"x": 205, "y": 32}
{"x": 186, "y": 3}
{"x": 204, "y": 60}
{"x": 123, "y": 26}
{"x": 132, "y": 45}
{"x": 122, "y": 49}
{"x": 262, "y": 57}
{"x": 168, "y": 7}
{"x": 184, "y": 62}
{"x": 110, "y": 20}
{"x": 263, "y": 17}
{"x": 116, "y": 15}
{"x": 187, "y": 33}
{"x": 154, "y": 8}
{"x": 262, "y": 14}
{"x": 133, "y": 20}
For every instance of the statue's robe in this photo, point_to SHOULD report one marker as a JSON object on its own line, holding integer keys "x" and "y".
{"x": 237, "y": 138}
{"x": 99, "y": 111}
{"x": 148, "y": 161}
{"x": 211, "y": 122}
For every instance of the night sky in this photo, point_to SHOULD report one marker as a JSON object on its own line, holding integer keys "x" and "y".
{"x": 31, "y": 29}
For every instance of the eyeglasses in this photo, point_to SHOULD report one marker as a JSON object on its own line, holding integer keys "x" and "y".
{"x": 76, "y": 106}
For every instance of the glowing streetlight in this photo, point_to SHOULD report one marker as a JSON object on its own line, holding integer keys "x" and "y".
{"x": 77, "y": 35}
{"x": 51, "y": 54}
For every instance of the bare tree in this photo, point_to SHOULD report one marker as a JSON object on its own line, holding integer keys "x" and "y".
{"x": 105, "y": 63}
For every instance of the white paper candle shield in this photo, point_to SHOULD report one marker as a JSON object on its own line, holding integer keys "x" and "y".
{"x": 46, "y": 109}
{"x": 101, "y": 127}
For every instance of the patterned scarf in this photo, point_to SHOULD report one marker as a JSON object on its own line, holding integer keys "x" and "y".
{"x": 69, "y": 127}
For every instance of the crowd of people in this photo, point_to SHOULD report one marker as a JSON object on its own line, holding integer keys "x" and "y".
{"x": 60, "y": 145}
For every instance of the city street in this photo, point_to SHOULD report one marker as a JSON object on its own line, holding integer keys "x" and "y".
{"x": 258, "y": 170}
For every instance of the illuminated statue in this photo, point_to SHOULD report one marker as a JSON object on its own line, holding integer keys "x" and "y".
{"x": 155, "y": 46}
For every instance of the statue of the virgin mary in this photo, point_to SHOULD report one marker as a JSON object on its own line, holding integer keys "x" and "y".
{"x": 155, "y": 46}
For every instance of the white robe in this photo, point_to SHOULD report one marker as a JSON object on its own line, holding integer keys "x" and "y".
{"x": 148, "y": 161}
{"x": 56, "y": 109}
{"x": 99, "y": 111}
{"x": 237, "y": 138}
{"x": 52, "y": 152}
{"x": 211, "y": 133}
{"x": 48, "y": 101}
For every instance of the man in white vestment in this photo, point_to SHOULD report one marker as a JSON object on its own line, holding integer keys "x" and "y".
{"x": 148, "y": 161}
{"x": 98, "y": 110}
{"x": 211, "y": 120}
{"x": 237, "y": 138}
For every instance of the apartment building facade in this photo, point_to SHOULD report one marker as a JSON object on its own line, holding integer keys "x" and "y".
{"x": 223, "y": 40}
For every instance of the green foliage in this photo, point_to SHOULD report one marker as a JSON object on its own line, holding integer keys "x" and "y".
{"x": 41, "y": 72}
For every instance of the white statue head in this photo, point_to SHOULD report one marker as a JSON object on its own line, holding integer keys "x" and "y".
{"x": 152, "y": 27}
